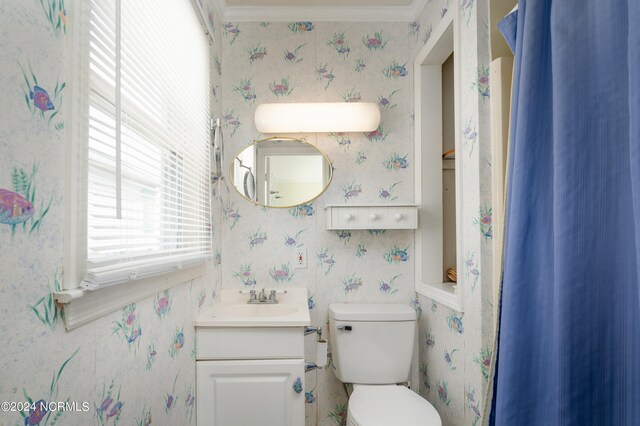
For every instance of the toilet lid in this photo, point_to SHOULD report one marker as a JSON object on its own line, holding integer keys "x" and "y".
{"x": 390, "y": 406}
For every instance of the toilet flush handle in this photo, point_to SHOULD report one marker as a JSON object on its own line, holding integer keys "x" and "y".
{"x": 345, "y": 327}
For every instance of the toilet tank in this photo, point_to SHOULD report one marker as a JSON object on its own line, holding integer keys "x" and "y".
{"x": 372, "y": 343}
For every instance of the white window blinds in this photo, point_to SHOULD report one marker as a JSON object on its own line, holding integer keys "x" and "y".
{"x": 148, "y": 208}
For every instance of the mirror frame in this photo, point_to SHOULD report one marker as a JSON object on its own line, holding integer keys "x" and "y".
{"x": 282, "y": 138}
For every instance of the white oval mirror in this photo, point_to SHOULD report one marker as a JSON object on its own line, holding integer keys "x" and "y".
{"x": 281, "y": 172}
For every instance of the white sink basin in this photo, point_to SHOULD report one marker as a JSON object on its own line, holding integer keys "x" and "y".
{"x": 232, "y": 310}
{"x": 256, "y": 310}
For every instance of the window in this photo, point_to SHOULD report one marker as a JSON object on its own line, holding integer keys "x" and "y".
{"x": 142, "y": 137}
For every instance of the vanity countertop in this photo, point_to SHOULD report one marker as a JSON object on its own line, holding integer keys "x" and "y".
{"x": 232, "y": 310}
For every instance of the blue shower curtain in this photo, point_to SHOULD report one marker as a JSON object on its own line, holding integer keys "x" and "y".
{"x": 569, "y": 337}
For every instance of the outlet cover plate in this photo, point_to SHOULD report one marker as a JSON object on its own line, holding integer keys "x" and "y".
{"x": 300, "y": 261}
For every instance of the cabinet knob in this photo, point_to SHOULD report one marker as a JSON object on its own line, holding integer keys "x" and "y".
{"x": 348, "y": 216}
{"x": 373, "y": 216}
{"x": 399, "y": 216}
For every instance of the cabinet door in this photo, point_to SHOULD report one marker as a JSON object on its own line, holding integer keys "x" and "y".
{"x": 255, "y": 392}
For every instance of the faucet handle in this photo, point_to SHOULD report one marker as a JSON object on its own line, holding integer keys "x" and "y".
{"x": 272, "y": 297}
{"x": 252, "y": 296}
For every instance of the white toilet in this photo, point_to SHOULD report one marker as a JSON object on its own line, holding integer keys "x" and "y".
{"x": 372, "y": 348}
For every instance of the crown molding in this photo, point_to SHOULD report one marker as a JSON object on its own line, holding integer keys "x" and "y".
{"x": 219, "y": 6}
{"x": 418, "y": 6}
{"x": 319, "y": 13}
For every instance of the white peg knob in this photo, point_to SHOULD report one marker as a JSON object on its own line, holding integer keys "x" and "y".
{"x": 399, "y": 216}
{"x": 373, "y": 216}
{"x": 348, "y": 216}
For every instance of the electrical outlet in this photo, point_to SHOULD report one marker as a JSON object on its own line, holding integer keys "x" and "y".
{"x": 300, "y": 261}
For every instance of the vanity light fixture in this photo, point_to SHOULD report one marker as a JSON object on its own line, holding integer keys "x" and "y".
{"x": 320, "y": 117}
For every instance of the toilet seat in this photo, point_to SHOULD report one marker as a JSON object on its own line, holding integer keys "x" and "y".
{"x": 390, "y": 405}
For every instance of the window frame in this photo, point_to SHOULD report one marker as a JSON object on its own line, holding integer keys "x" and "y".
{"x": 82, "y": 306}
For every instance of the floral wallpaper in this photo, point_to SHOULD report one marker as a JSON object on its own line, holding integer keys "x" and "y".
{"x": 129, "y": 367}
{"x": 455, "y": 348}
{"x": 333, "y": 62}
{"x": 138, "y": 364}
{"x": 351, "y": 62}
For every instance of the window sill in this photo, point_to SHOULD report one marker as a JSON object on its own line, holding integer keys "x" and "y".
{"x": 441, "y": 293}
{"x": 83, "y": 306}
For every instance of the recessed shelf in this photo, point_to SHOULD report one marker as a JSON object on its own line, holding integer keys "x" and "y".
{"x": 448, "y": 164}
{"x": 439, "y": 170}
{"x": 443, "y": 293}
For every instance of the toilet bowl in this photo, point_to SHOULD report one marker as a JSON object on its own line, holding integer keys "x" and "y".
{"x": 372, "y": 348}
{"x": 389, "y": 405}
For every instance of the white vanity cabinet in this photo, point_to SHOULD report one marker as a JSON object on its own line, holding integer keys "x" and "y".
{"x": 250, "y": 362}
{"x": 250, "y": 376}
{"x": 250, "y": 392}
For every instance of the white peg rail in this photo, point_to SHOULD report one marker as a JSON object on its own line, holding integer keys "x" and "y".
{"x": 371, "y": 216}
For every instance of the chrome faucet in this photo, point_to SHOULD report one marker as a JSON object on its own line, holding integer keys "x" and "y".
{"x": 255, "y": 298}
